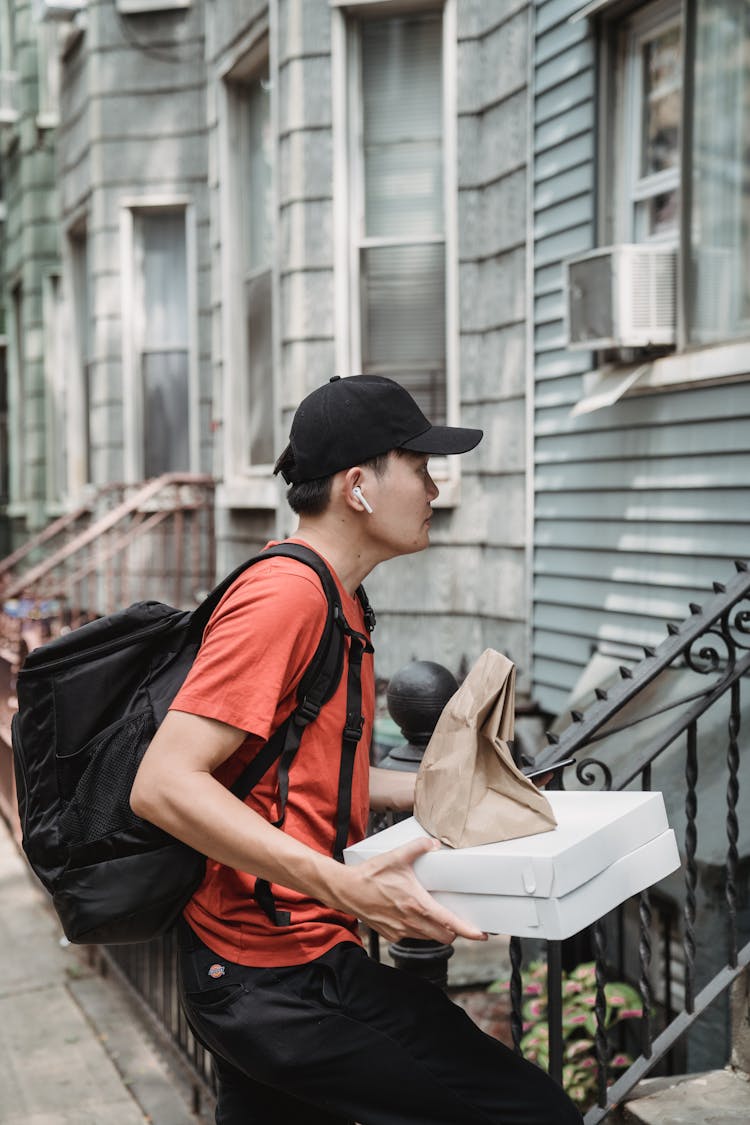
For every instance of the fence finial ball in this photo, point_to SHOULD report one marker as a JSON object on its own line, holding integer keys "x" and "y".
{"x": 416, "y": 695}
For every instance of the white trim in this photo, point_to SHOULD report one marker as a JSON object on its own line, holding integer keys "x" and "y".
{"x": 593, "y": 8}
{"x": 355, "y": 169}
{"x": 341, "y": 199}
{"x": 450, "y": 487}
{"x": 702, "y": 367}
{"x": 138, "y": 7}
{"x": 244, "y": 485}
{"x": 380, "y": 7}
{"x": 191, "y": 295}
{"x": 530, "y": 366}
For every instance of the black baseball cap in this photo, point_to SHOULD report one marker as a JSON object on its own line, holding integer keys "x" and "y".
{"x": 353, "y": 419}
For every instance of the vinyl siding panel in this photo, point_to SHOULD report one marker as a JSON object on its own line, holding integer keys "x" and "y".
{"x": 640, "y": 506}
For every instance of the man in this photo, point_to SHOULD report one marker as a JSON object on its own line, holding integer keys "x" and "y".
{"x": 302, "y": 1025}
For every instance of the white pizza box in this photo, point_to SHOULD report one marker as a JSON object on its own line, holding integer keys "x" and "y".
{"x": 594, "y": 830}
{"x": 558, "y": 918}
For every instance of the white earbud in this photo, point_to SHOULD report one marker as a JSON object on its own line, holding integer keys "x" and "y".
{"x": 357, "y": 491}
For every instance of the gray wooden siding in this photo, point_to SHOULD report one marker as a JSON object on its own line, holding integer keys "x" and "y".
{"x": 639, "y": 506}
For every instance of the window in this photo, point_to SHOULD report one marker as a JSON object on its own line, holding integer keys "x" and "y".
{"x": 653, "y": 124}
{"x": 56, "y": 419}
{"x": 398, "y": 213}
{"x": 719, "y": 297}
{"x": 17, "y": 398}
{"x": 681, "y": 156}
{"x": 253, "y": 167}
{"x": 8, "y": 76}
{"x": 248, "y": 224}
{"x": 160, "y": 308}
{"x": 79, "y": 435}
{"x": 4, "y": 453}
{"x": 48, "y": 53}
{"x": 159, "y": 336}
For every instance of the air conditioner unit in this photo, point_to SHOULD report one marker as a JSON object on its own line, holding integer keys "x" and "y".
{"x": 49, "y": 10}
{"x": 621, "y": 297}
{"x": 8, "y": 97}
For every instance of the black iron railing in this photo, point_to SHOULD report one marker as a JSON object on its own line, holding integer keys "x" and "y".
{"x": 652, "y": 711}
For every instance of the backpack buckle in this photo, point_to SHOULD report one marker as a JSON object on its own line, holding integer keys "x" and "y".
{"x": 308, "y": 711}
{"x": 353, "y": 728}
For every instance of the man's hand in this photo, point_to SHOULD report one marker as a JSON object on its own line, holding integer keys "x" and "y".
{"x": 384, "y": 893}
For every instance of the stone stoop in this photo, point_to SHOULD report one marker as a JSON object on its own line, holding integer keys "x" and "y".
{"x": 719, "y": 1097}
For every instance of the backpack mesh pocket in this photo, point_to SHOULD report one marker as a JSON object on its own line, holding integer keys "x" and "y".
{"x": 100, "y": 804}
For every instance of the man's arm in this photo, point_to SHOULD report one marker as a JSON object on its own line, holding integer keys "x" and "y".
{"x": 176, "y": 790}
{"x": 391, "y": 790}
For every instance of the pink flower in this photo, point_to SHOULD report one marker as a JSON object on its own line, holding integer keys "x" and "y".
{"x": 631, "y": 1013}
{"x": 620, "y": 1060}
{"x": 533, "y": 988}
{"x": 536, "y": 1007}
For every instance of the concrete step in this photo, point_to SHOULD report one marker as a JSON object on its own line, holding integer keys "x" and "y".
{"x": 720, "y": 1097}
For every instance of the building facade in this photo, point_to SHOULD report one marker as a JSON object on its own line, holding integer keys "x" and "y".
{"x": 244, "y": 199}
{"x": 211, "y": 208}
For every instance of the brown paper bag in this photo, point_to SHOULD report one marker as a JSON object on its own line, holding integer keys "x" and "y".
{"x": 468, "y": 789}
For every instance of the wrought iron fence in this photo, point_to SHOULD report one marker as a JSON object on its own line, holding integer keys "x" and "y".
{"x": 670, "y": 722}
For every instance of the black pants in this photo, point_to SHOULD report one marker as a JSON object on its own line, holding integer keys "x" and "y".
{"x": 346, "y": 1039}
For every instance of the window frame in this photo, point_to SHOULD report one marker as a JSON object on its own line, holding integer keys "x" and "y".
{"x": 691, "y": 363}
{"x": 133, "y": 406}
{"x": 634, "y": 188}
{"x": 347, "y": 196}
{"x": 243, "y": 484}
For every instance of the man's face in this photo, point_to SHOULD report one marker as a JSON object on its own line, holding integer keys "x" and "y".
{"x": 401, "y": 499}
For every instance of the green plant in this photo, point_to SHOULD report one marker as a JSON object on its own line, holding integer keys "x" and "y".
{"x": 580, "y": 1068}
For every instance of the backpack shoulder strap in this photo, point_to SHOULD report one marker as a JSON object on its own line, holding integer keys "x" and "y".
{"x": 318, "y": 683}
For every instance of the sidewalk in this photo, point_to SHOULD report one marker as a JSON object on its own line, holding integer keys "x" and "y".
{"x": 73, "y": 1050}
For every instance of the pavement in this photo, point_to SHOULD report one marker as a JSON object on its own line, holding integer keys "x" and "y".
{"x": 73, "y": 1048}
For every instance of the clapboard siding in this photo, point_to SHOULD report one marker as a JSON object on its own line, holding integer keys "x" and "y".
{"x": 638, "y": 506}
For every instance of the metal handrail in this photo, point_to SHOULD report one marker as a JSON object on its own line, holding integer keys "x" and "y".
{"x": 714, "y": 641}
{"x": 134, "y": 503}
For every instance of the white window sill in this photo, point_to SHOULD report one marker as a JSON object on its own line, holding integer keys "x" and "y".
{"x": 701, "y": 367}
{"x": 136, "y": 7}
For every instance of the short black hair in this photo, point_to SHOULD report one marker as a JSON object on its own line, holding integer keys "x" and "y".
{"x": 311, "y": 497}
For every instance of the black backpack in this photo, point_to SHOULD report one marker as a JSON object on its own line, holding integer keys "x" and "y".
{"x": 89, "y": 703}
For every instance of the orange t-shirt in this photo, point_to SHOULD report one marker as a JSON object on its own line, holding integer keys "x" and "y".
{"x": 256, "y": 647}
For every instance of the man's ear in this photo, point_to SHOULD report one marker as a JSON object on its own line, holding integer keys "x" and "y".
{"x": 355, "y": 478}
